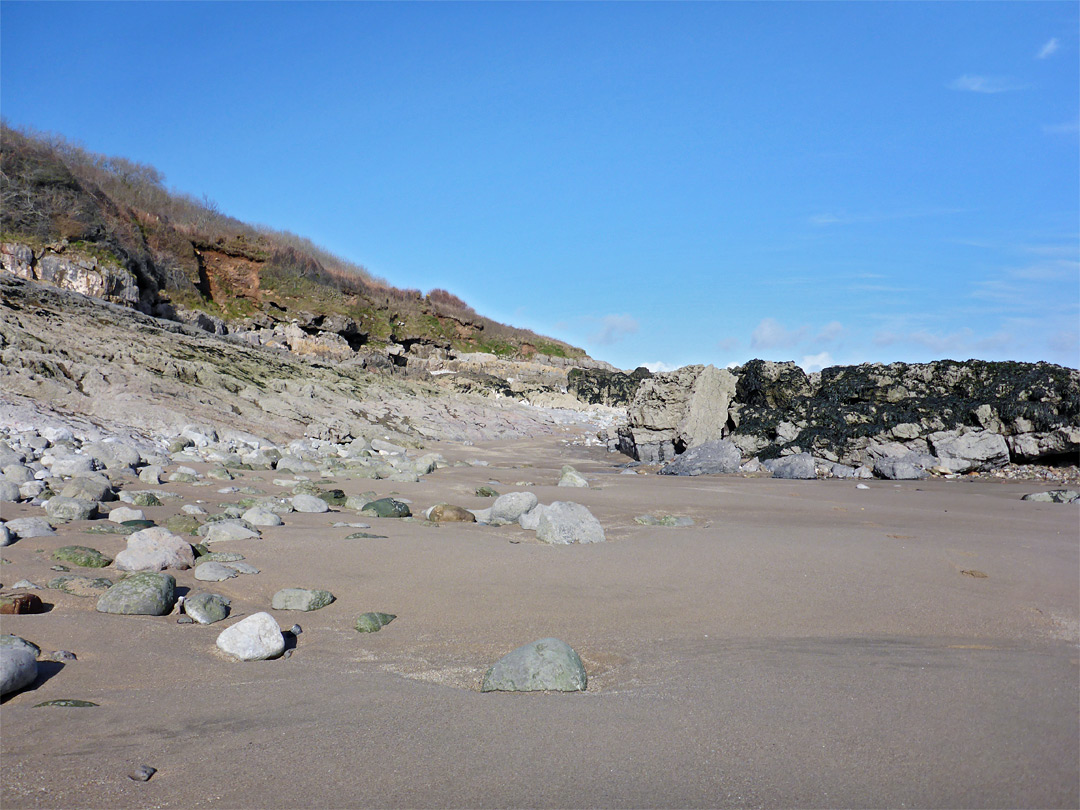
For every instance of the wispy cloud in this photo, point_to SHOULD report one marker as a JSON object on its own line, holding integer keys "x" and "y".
{"x": 830, "y": 332}
{"x": 1049, "y": 49}
{"x": 834, "y": 218}
{"x": 614, "y": 328}
{"x": 942, "y": 345}
{"x": 986, "y": 84}
{"x": 1066, "y": 128}
{"x": 770, "y": 334}
{"x": 728, "y": 344}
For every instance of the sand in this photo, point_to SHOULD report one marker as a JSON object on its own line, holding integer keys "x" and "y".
{"x": 804, "y": 644}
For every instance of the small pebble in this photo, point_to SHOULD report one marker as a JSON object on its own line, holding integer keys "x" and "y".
{"x": 185, "y": 620}
{"x": 142, "y": 773}
{"x": 287, "y": 654}
{"x": 295, "y": 630}
{"x": 61, "y": 656}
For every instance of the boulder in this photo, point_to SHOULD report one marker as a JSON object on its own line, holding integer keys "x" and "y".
{"x": 309, "y": 503}
{"x": 1054, "y": 496}
{"x": 18, "y": 667}
{"x": 564, "y": 523}
{"x": 214, "y": 572}
{"x": 82, "y": 556}
{"x": 146, "y": 593}
{"x": 547, "y": 665}
{"x": 386, "y": 508}
{"x": 373, "y": 622}
{"x": 85, "y": 488}
{"x": 711, "y": 458}
{"x": 961, "y": 451}
{"x": 448, "y": 513}
{"x": 260, "y": 516}
{"x": 155, "y": 549}
{"x": 798, "y": 466}
{"x": 301, "y": 599}
{"x": 255, "y": 638}
{"x": 904, "y": 468}
{"x": 9, "y": 492}
{"x": 122, "y": 514}
{"x": 222, "y": 531}
{"x": 207, "y": 608}
{"x": 67, "y": 509}
{"x": 530, "y": 521}
{"x": 571, "y": 478}
{"x": 25, "y": 528}
{"x": 509, "y": 507}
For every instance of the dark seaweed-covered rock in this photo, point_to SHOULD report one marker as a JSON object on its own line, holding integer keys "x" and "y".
{"x": 859, "y": 414}
{"x": 600, "y": 387}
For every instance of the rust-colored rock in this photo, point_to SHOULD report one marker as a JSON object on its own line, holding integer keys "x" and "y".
{"x": 21, "y": 603}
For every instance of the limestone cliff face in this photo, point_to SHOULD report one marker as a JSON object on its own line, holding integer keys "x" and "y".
{"x": 986, "y": 413}
{"x": 71, "y": 269}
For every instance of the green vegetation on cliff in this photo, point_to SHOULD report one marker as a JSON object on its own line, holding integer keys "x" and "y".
{"x": 185, "y": 252}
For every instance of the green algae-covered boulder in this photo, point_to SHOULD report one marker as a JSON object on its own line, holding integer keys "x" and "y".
{"x": 301, "y": 599}
{"x": 82, "y": 556}
{"x": 147, "y": 593}
{"x": 373, "y": 622}
{"x": 547, "y": 665}
{"x": 387, "y": 508}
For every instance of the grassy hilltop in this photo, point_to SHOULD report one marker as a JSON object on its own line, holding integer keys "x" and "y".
{"x": 187, "y": 253}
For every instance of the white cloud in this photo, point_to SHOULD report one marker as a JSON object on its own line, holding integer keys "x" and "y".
{"x": 613, "y": 329}
{"x": 1066, "y": 128}
{"x": 1048, "y": 49}
{"x": 658, "y": 366}
{"x": 942, "y": 345}
{"x": 830, "y": 332}
{"x": 816, "y": 362}
{"x": 986, "y": 84}
{"x": 831, "y": 218}
{"x": 770, "y": 334}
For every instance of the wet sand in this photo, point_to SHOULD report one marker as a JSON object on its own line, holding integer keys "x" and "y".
{"x": 804, "y": 644}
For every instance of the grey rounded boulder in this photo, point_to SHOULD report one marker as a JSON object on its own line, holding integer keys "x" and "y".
{"x": 147, "y": 593}
{"x": 301, "y": 599}
{"x": 207, "y": 608}
{"x": 509, "y": 507}
{"x": 711, "y": 458}
{"x": 309, "y": 503}
{"x": 547, "y": 665}
{"x": 563, "y": 523}
{"x": 154, "y": 549}
{"x": 255, "y": 638}
{"x": 18, "y": 667}
{"x": 9, "y": 491}
{"x": 65, "y": 509}
{"x": 798, "y": 466}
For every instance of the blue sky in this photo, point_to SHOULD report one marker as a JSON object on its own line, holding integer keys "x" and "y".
{"x": 663, "y": 183}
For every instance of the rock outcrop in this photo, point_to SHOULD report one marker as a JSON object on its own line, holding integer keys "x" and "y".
{"x": 960, "y": 416}
{"x": 98, "y": 276}
{"x": 599, "y": 386}
{"x": 676, "y": 410}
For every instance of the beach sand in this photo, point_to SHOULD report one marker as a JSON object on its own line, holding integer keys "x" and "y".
{"x": 803, "y": 644}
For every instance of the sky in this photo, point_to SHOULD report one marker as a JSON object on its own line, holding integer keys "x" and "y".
{"x": 657, "y": 183}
